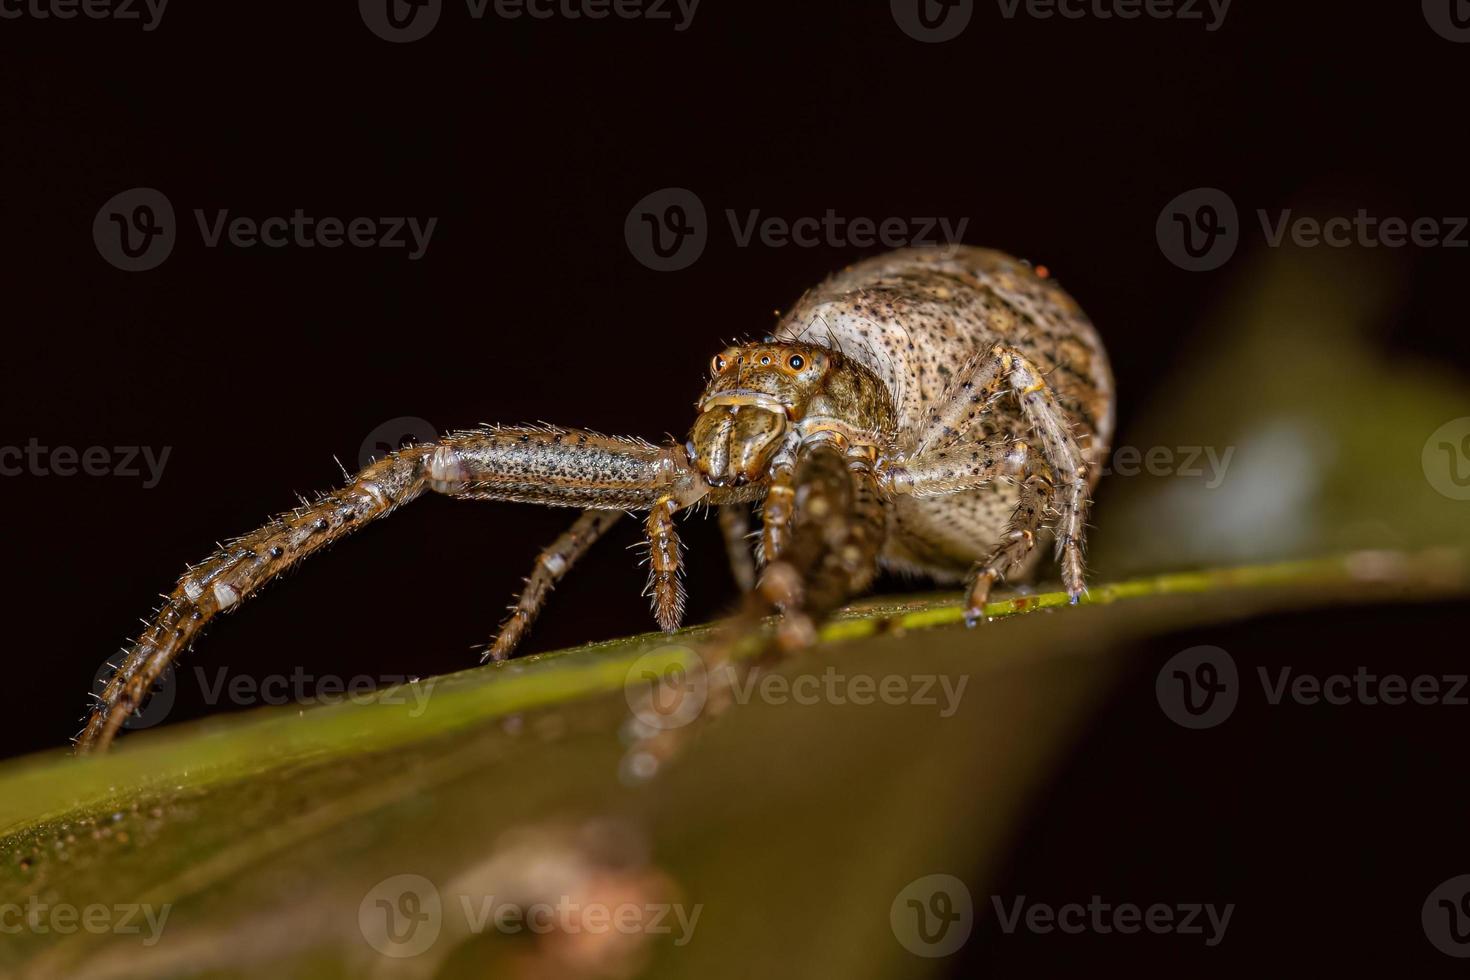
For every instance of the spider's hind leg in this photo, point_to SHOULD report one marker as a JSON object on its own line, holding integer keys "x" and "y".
{"x": 1015, "y": 544}
{"x": 1006, "y": 370}
{"x": 735, "y": 526}
{"x": 552, "y": 563}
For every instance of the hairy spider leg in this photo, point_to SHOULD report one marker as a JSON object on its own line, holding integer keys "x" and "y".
{"x": 554, "y": 561}
{"x": 537, "y": 464}
{"x": 735, "y": 526}
{"x": 1006, "y": 371}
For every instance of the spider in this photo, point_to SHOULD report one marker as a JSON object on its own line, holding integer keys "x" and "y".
{"x": 932, "y": 412}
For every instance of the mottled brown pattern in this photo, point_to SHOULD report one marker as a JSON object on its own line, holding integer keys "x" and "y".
{"x": 916, "y": 318}
{"x": 930, "y": 410}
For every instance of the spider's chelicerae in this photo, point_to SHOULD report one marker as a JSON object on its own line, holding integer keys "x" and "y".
{"x": 930, "y": 412}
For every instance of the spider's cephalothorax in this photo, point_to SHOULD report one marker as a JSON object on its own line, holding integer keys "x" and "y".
{"x": 765, "y": 400}
{"x": 928, "y": 411}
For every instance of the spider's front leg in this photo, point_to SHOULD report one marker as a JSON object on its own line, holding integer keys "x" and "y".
{"x": 531, "y": 465}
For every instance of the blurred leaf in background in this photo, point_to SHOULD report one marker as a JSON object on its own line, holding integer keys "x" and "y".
{"x": 1286, "y": 433}
{"x": 843, "y": 822}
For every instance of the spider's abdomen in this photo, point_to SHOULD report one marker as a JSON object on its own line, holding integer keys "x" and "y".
{"x": 916, "y": 318}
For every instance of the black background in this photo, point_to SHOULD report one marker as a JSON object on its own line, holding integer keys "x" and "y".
{"x": 529, "y": 140}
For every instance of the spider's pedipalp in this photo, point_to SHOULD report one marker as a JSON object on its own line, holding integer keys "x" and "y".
{"x": 665, "y": 565}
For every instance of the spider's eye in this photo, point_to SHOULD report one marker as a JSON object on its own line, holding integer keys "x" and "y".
{"x": 718, "y": 364}
{"x": 766, "y": 359}
{"x": 796, "y": 362}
